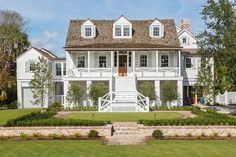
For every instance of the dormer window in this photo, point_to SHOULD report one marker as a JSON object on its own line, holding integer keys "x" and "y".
{"x": 88, "y": 30}
{"x": 122, "y": 28}
{"x": 156, "y": 29}
{"x": 184, "y": 40}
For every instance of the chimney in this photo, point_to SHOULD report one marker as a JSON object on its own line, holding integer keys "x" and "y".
{"x": 185, "y": 23}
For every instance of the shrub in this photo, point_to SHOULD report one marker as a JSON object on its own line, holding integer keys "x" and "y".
{"x": 23, "y": 136}
{"x": 75, "y": 94}
{"x": 229, "y": 135}
{"x": 157, "y": 134}
{"x": 37, "y": 135}
{"x": 189, "y": 135}
{"x": 147, "y": 88}
{"x": 77, "y": 135}
{"x": 93, "y": 134}
{"x": 55, "y": 107}
{"x": 52, "y": 136}
{"x": 98, "y": 89}
{"x": 168, "y": 91}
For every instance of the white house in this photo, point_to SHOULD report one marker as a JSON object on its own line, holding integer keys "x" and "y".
{"x": 121, "y": 52}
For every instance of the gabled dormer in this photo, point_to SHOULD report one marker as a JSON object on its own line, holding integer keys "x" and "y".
{"x": 156, "y": 29}
{"x": 122, "y": 28}
{"x": 88, "y": 30}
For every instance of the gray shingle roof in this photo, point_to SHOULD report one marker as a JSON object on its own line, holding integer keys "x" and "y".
{"x": 104, "y": 36}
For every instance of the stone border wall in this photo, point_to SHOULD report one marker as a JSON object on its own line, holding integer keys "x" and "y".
{"x": 45, "y": 131}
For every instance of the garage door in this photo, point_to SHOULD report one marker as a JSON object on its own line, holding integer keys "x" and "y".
{"x": 27, "y": 98}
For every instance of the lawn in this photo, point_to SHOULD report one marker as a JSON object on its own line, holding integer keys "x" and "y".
{"x": 124, "y": 116}
{"x": 96, "y": 149}
{"x": 14, "y": 113}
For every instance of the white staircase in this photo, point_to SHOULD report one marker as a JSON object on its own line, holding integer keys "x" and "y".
{"x": 124, "y": 97}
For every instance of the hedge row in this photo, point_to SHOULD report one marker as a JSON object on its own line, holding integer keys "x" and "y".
{"x": 209, "y": 117}
{"x": 175, "y": 108}
{"x": 48, "y": 119}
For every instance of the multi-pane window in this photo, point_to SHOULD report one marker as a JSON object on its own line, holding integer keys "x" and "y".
{"x": 188, "y": 62}
{"x": 102, "y": 61}
{"x": 118, "y": 30}
{"x": 156, "y": 31}
{"x": 164, "y": 61}
{"x": 184, "y": 40}
{"x": 143, "y": 60}
{"x": 81, "y": 62}
{"x": 31, "y": 66}
{"x": 64, "y": 68}
{"x": 58, "y": 69}
{"x": 115, "y": 59}
{"x": 130, "y": 59}
{"x": 88, "y": 31}
{"x": 126, "y": 30}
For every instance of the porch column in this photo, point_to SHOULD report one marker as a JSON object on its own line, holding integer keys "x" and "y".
{"x": 133, "y": 61}
{"x": 88, "y": 61}
{"x": 157, "y": 58}
{"x": 110, "y": 88}
{"x": 112, "y": 61}
{"x": 88, "y": 84}
{"x": 180, "y": 91}
{"x": 157, "y": 92}
{"x": 180, "y": 63}
{"x": 66, "y": 88}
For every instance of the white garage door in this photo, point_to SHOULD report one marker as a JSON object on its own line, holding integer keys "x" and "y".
{"x": 27, "y": 98}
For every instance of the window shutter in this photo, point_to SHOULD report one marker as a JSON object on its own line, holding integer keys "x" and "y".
{"x": 162, "y": 31}
{"x": 94, "y": 31}
{"x": 188, "y": 41}
{"x": 82, "y": 31}
{"x": 150, "y": 31}
{"x": 27, "y": 66}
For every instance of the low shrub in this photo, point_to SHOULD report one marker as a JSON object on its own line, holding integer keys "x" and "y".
{"x": 52, "y": 136}
{"x": 37, "y": 135}
{"x": 55, "y": 107}
{"x": 157, "y": 134}
{"x": 82, "y": 108}
{"x": 229, "y": 135}
{"x": 174, "y": 108}
{"x": 23, "y": 136}
{"x": 77, "y": 134}
{"x": 93, "y": 134}
{"x": 189, "y": 135}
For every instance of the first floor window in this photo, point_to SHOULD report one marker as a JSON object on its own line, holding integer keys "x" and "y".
{"x": 31, "y": 66}
{"x": 64, "y": 68}
{"x": 143, "y": 60}
{"x": 102, "y": 61}
{"x": 164, "y": 61}
{"x": 81, "y": 62}
{"x": 188, "y": 62}
{"x": 58, "y": 69}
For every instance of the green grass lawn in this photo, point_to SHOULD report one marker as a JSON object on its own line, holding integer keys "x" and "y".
{"x": 124, "y": 116}
{"x": 14, "y": 113}
{"x": 96, "y": 149}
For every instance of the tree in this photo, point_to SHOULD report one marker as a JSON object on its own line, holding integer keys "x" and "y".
{"x": 75, "y": 94}
{"x": 41, "y": 84}
{"x": 147, "y": 89}
{"x": 98, "y": 89}
{"x": 168, "y": 91}
{"x": 218, "y": 41}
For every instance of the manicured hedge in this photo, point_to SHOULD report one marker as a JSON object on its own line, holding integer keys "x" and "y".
{"x": 209, "y": 117}
{"x": 174, "y": 108}
{"x": 48, "y": 119}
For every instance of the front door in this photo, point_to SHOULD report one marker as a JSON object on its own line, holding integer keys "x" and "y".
{"x": 122, "y": 65}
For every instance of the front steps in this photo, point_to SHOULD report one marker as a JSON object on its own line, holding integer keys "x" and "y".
{"x": 125, "y": 133}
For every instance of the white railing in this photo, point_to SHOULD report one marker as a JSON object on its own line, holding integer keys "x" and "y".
{"x": 104, "y": 103}
{"x": 92, "y": 72}
{"x": 142, "y": 103}
{"x": 226, "y": 98}
{"x": 161, "y": 71}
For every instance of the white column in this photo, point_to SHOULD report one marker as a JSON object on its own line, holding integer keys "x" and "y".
{"x": 88, "y": 61}
{"x": 180, "y": 91}
{"x": 88, "y": 83}
{"x": 66, "y": 88}
{"x": 133, "y": 61}
{"x": 157, "y": 91}
{"x": 157, "y": 58}
{"x": 180, "y": 63}
{"x": 112, "y": 61}
{"x": 110, "y": 88}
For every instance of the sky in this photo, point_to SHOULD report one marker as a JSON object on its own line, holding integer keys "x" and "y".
{"x": 49, "y": 19}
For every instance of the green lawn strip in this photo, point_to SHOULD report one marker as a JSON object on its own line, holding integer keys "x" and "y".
{"x": 124, "y": 116}
{"x": 14, "y": 113}
{"x": 94, "y": 148}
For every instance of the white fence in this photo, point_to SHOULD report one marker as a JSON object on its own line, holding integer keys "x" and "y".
{"x": 226, "y": 98}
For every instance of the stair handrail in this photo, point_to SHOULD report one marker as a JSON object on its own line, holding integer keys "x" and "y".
{"x": 104, "y": 102}
{"x": 142, "y": 101}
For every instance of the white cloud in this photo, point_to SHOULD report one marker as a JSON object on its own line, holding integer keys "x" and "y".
{"x": 46, "y": 40}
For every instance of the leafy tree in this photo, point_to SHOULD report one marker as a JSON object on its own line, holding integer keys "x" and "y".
{"x": 147, "y": 89}
{"x": 168, "y": 91}
{"x": 75, "y": 94}
{"x": 41, "y": 83}
{"x": 98, "y": 89}
{"x": 218, "y": 41}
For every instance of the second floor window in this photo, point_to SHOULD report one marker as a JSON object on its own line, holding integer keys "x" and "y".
{"x": 64, "y": 68}
{"x": 81, "y": 62}
{"x": 31, "y": 66}
{"x": 102, "y": 61}
{"x": 156, "y": 31}
{"x": 164, "y": 61}
{"x": 126, "y": 30}
{"x": 118, "y": 30}
{"x": 188, "y": 62}
{"x": 143, "y": 60}
{"x": 58, "y": 69}
{"x": 88, "y": 31}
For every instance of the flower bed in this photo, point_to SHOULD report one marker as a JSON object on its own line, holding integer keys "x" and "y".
{"x": 209, "y": 117}
{"x": 48, "y": 119}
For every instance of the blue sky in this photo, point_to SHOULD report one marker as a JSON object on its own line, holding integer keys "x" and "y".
{"x": 49, "y": 19}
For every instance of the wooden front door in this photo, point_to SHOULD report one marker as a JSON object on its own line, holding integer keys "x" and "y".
{"x": 122, "y": 65}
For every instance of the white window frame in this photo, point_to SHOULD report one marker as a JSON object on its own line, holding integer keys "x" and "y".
{"x": 159, "y": 33}
{"x": 122, "y": 31}
{"x": 168, "y": 60}
{"x": 191, "y": 60}
{"x": 139, "y": 59}
{"x": 58, "y": 63}
{"x": 187, "y": 40}
{"x": 33, "y": 64}
{"x": 93, "y": 30}
{"x": 102, "y": 55}
{"x": 156, "y": 23}
{"x": 77, "y": 61}
{"x": 64, "y": 69}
